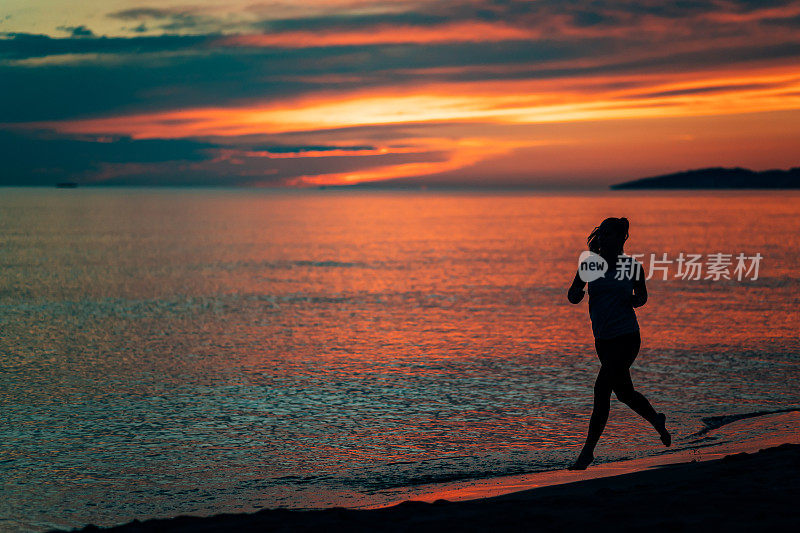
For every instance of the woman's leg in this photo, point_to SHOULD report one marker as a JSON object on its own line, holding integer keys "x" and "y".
{"x": 616, "y": 356}
{"x": 597, "y": 422}
{"x": 623, "y": 388}
{"x": 600, "y": 409}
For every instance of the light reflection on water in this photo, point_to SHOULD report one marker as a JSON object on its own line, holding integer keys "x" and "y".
{"x": 205, "y": 351}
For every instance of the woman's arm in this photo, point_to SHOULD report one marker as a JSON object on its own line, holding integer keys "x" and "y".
{"x": 639, "y": 297}
{"x": 576, "y": 292}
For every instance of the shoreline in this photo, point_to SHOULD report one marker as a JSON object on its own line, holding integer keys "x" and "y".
{"x": 739, "y": 492}
{"x": 770, "y": 427}
{"x": 701, "y": 484}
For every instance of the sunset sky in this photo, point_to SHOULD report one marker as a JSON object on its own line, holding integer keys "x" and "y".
{"x": 548, "y": 93}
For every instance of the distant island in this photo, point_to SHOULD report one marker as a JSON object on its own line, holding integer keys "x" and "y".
{"x": 719, "y": 178}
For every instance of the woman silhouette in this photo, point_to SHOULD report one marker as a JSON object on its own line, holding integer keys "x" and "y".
{"x": 612, "y": 298}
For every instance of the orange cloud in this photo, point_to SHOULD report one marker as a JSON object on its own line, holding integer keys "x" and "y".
{"x": 469, "y": 31}
{"x": 528, "y": 102}
{"x": 463, "y": 153}
{"x": 497, "y": 103}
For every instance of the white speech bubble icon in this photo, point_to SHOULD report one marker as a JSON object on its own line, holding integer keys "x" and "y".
{"x": 591, "y": 266}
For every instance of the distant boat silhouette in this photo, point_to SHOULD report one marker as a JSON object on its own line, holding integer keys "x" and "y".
{"x": 66, "y": 185}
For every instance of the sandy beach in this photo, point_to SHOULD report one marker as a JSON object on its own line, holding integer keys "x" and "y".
{"x": 740, "y": 492}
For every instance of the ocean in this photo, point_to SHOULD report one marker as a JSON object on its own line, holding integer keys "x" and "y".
{"x": 185, "y": 351}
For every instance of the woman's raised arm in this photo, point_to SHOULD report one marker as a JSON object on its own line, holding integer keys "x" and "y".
{"x": 576, "y": 292}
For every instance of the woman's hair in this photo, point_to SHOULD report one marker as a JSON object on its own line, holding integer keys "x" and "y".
{"x": 613, "y": 232}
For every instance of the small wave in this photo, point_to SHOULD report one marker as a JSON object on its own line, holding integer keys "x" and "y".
{"x": 715, "y": 422}
{"x": 233, "y": 266}
{"x": 331, "y": 264}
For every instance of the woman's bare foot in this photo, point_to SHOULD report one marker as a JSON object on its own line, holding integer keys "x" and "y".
{"x": 666, "y": 438}
{"x": 584, "y": 460}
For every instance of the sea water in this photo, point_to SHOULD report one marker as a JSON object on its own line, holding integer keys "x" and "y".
{"x": 201, "y": 351}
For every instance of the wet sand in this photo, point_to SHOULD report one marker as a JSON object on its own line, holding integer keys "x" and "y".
{"x": 747, "y": 433}
{"x": 741, "y": 492}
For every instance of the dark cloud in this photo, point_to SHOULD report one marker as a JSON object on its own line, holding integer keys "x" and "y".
{"x": 54, "y": 92}
{"x": 706, "y": 90}
{"x": 135, "y": 82}
{"x": 16, "y": 46}
{"x": 286, "y": 149}
{"x": 169, "y": 20}
{"x": 188, "y": 72}
{"x": 354, "y": 21}
{"x": 591, "y": 18}
{"x": 43, "y": 158}
{"x": 785, "y": 22}
{"x": 677, "y": 9}
{"x": 141, "y": 13}
{"x": 77, "y": 31}
{"x": 182, "y": 21}
{"x": 753, "y": 5}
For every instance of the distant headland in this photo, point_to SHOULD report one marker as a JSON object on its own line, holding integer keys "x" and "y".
{"x": 719, "y": 178}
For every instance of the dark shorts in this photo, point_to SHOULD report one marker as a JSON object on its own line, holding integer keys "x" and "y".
{"x": 618, "y": 351}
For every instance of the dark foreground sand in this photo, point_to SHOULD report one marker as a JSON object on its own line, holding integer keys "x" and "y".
{"x": 743, "y": 492}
